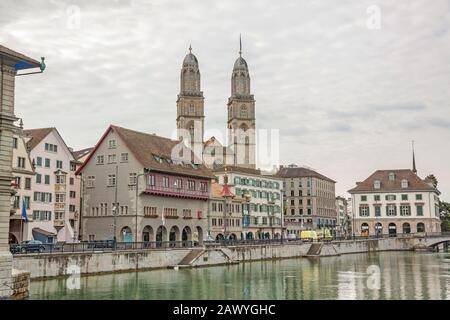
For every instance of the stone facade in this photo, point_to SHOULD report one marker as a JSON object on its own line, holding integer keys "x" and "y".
{"x": 309, "y": 199}
{"x": 171, "y": 202}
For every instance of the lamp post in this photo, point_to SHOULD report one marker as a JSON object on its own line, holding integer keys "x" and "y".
{"x": 136, "y": 211}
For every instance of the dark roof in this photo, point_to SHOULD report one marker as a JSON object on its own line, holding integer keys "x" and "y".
{"x": 297, "y": 172}
{"x": 146, "y": 146}
{"x": 81, "y": 153}
{"x": 36, "y": 135}
{"x": 17, "y": 57}
{"x": 229, "y": 169}
{"x": 414, "y": 182}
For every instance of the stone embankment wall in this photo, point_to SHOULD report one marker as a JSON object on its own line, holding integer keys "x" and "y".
{"x": 20, "y": 284}
{"x": 54, "y": 265}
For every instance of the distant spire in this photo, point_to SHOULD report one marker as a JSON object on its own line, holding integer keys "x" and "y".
{"x": 190, "y": 48}
{"x": 414, "y": 159}
{"x": 240, "y": 45}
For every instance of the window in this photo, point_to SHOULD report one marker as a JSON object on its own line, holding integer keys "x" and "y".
{"x": 165, "y": 181}
{"x": 47, "y": 162}
{"x": 20, "y": 162}
{"x": 405, "y": 210}
{"x": 112, "y": 158}
{"x": 132, "y": 179}
{"x": 100, "y": 159}
{"x": 27, "y": 201}
{"x": 377, "y": 211}
{"x": 191, "y": 185}
{"x": 243, "y": 111}
{"x": 391, "y": 176}
{"x": 377, "y": 184}
{"x": 59, "y": 164}
{"x": 72, "y": 194}
{"x": 27, "y": 183}
{"x": 73, "y": 167}
{"x": 60, "y": 198}
{"x": 151, "y": 180}
{"x": 391, "y": 210}
{"x": 112, "y": 144}
{"x": 16, "y": 204}
{"x": 418, "y": 197}
{"x": 60, "y": 179}
{"x": 46, "y": 179}
{"x": 39, "y": 215}
{"x": 170, "y": 212}
{"x": 90, "y": 182}
{"x": 51, "y": 147}
{"x": 17, "y": 181}
{"x": 150, "y": 211}
{"x": 419, "y": 210}
{"x": 390, "y": 197}
{"x": 404, "y": 197}
{"x": 15, "y": 143}
{"x": 363, "y": 198}
{"x": 187, "y": 213}
{"x": 38, "y": 178}
{"x": 203, "y": 186}
{"x": 38, "y": 162}
{"x": 404, "y": 184}
{"x": 42, "y": 197}
{"x": 71, "y": 181}
{"x": 364, "y": 211}
{"x": 111, "y": 180}
{"x": 178, "y": 183}
{"x": 71, "y": 208}
{"x": 376, "y": 197}
{"x": 124, "y": 157}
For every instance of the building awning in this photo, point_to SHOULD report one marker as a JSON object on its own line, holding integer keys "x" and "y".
{"x": 44, "y": 232}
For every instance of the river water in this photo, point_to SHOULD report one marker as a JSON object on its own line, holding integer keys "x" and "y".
{"x": 386, "y": 275}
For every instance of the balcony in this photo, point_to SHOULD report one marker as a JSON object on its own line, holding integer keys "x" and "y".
{"x": 60, "y": 188}
{"x": 176, "y": 192}
{"x": 60, "y": 206}
{"x": 58, "y": 223}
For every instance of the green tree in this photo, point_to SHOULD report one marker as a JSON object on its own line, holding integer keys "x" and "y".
{"x": 433, "y": 179}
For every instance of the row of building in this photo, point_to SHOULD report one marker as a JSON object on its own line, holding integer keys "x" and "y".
{"x": 132, "y": 186}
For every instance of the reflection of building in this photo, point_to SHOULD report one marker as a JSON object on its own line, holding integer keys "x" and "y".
{"x": 23, "y": 185}
{"x": 225, "y": 213}
{"x": 171, "y": 198}
{"x": 309, "y": 199}
{"x": 395, "y": 201}
{"x": 265, "y": 204}
{"x": 52, "y": 216}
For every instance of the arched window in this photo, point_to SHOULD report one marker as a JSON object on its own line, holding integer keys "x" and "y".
{"x": 406, "y": 227}
{"x": 191, "y": 109}
{"x": 392, "y": 229}
{"x": 420, "y": 227}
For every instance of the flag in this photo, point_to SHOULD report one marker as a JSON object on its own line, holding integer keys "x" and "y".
{"x": 24, "y": 211}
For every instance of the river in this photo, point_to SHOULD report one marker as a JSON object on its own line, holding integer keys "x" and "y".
{"x": 386, "y": 275}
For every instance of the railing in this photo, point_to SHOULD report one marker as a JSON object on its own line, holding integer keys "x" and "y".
{"x": 181, "y": 192}
{"x": 109, "y": 245}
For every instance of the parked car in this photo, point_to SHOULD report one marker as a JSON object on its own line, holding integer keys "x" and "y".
{"x": 28, "y": 246}
{"x": 291, "y": 237}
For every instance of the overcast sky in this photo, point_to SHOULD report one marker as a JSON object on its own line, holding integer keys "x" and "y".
{"x": 347, "y": 96}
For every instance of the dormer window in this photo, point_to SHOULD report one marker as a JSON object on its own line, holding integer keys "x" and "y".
{"x": 377, "y": 184}
{"x": 404, "y": 184}
{"x": 391, "y": 176}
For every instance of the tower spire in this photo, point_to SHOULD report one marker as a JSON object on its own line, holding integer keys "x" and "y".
{"x": 240, "y": 45}
{"x": 190, "y": 48}
{"x": 414, "y": 159}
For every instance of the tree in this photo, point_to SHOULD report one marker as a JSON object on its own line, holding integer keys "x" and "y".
{"x": 433, "y": 180}
{"x": 444, "y": 210}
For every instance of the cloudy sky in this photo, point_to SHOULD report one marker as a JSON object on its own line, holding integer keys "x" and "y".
{"x": 348, "y": 91}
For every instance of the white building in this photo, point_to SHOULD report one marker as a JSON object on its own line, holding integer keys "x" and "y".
{"x": 342, "y": 217}
{"x": 395, "y": 201}
{"x": 262, "y": 214}
{"x": 51, "y": 218}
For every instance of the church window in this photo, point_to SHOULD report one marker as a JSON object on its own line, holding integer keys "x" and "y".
{"x": 191, "y": 109}
{"x": 243, "y": 111}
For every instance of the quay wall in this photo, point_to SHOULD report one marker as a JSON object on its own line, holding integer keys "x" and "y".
{"x": 62, "y": 264}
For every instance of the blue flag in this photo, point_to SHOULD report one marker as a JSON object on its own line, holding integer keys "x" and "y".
{"x": 24, "y": 211}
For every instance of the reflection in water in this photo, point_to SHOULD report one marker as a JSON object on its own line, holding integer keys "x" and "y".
{"x": 404, "y": 275}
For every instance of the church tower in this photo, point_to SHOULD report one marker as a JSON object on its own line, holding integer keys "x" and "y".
{"x": 190, "y": 105}
{"x": 241, "y": 115}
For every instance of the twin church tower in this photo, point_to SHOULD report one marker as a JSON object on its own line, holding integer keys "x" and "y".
{"x": 241, "y": 113}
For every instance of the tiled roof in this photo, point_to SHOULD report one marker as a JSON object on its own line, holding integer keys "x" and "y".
{"x": 146, "y": 146}
{"x": 36, "y": 135}
{"x": 237, "y": 169}
{"x": 296, "y": 172}
{"x": 414, "y": 182}
{"x": 18, "y": 56}
{"x": 81, "y": 153}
